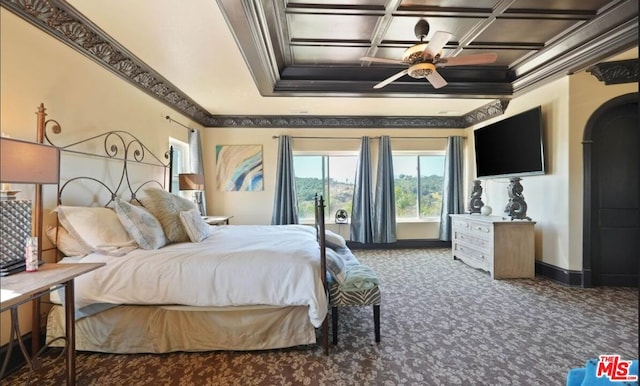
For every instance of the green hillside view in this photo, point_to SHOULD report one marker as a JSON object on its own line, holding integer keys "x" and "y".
{"x": 406, "y": 192}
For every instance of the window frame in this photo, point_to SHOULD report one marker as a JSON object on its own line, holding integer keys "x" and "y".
{"x": 417, "y": 154}
{"x": 355, "y": 153}
{"x": 326, "y": 170}
{"x": 183, "y": 164}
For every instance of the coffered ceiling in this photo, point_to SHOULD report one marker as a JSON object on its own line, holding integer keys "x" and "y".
{"x": 313, "y": 47}
{"x": 296, "y": 63}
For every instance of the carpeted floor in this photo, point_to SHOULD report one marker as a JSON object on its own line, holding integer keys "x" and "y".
{"x": 443, "y": 323}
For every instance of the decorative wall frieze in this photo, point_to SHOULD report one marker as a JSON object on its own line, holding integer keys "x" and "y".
{"x": 617, "y": 72}
{"x": 60, "y": 20}
{"x": 63, "y": 22}
{"x": 490, "y": 110}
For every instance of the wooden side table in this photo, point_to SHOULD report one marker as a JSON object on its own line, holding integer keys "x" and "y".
{"x": 217, "y": 220}
{"x": 24, "y": 287}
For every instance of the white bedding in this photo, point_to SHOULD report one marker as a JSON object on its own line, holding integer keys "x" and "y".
{"x": 237, "y": 265}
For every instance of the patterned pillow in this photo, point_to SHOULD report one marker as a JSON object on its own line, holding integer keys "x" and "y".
{"x": 141, "y": 225}
{"x": 166, "y": 207}
{"x": 194, "y": 225}
{"x": 335, "y": 265}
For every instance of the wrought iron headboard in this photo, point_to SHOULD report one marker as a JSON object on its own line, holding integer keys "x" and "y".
{"x": 119, "y": 146}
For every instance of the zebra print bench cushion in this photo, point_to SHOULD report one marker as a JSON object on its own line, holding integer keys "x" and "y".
{"x": 353, "y": 298}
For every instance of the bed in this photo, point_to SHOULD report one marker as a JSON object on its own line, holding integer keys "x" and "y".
{"x": 229, "y": 287}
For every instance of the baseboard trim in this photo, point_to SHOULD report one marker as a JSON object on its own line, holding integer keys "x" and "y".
{"x": 563, "y": 276}
{"x": 401, "y": 244}
{"x": 560, "y": 275}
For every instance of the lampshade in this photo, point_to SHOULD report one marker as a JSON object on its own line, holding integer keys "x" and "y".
{"x": 24, "y": 162}
{"x": 191, "y": 181}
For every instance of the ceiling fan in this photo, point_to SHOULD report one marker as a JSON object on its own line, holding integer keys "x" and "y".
{"x": 424, "y": 58}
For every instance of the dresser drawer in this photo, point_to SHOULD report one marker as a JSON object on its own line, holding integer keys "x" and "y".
{"x": 472, "y": 256}
{"x": 479, "y": 241}
{"x": 475, "y": 228}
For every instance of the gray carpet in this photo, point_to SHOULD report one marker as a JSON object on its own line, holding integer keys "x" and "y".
{"x": 443, "y": 323}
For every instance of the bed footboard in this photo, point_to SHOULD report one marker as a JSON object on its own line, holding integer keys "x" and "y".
{"x": 320, "y": 227}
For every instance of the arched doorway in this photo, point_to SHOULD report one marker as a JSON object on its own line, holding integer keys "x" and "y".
{"x": 611, "y": 229}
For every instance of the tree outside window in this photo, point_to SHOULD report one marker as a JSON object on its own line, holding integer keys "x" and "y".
{"x": 418, "y": 180}
{"x": 332, "y": 176}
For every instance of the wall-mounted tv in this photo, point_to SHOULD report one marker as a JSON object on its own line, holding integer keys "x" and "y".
{"x": 513, "y": 147}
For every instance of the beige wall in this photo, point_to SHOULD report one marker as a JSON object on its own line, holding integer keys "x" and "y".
{"x": 256, "y": 207}
{"x": 586, "y": 95}
{"x": 555, "y": 199}
{"x": 546, "y": 195}
{"x": 85, "y": 98}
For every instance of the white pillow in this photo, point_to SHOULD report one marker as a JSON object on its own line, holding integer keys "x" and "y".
{"x": 194, "y": 225}
{"x": 334, "y": 240}
{"x": 99, "y": 229}
{"x": 166, "y": 207}
{"x": 141, "y": 225}
{"x": 67, "y": 244}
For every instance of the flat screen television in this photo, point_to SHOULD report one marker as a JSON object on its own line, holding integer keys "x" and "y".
{"x": 513, "y": 147}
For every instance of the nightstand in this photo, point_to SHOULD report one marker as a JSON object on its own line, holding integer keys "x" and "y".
{"x": 30, "y": 286}
{"x": 217, "y": 220}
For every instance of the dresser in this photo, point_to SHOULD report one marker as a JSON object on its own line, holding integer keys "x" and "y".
{"x": 500, "y": 246}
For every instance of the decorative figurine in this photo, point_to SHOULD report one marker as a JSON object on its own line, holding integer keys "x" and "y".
{"x": 475, "y": 203}
{"x": 517, "y": 207}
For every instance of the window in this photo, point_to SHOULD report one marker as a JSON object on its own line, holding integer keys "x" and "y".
{"x": 418, "y": 181}
{"x": 330, "y": 175}
{"x": 180, "y": 162}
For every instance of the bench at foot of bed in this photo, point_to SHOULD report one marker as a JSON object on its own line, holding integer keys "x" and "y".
{"x": 345, "y": 296}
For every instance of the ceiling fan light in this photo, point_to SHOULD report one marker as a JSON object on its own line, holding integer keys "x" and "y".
{"x": 414, "y": 53}
{"x": 421, "y": 70}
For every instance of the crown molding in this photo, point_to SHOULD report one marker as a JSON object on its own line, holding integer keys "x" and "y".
{"x": 488, "y": 111}
{"x": 65, "y": 23}
{"x": 617, "y": 72}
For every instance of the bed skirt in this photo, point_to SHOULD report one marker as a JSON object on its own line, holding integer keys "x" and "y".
{"x": 153, "y": 329}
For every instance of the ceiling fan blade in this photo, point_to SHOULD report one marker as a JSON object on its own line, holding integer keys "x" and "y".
{"x": 391, "y": 79}
{"x": 439, "y": 39}
{"x": 436, "y": 80}
{"x": 381, "y": 60}
{"x": 468, "y": 60}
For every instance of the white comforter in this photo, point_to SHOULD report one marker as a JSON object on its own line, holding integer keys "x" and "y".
{"x": 237, "y": 265}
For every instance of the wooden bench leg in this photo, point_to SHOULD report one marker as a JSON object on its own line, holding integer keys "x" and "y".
{"x": 376, "y": 321}
{"x": 334, "y": 324}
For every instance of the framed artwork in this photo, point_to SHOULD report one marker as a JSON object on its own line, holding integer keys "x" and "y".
{"x": 239, "y": 168}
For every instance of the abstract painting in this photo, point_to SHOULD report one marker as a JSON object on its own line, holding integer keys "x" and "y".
{"x": 239, "y": 168}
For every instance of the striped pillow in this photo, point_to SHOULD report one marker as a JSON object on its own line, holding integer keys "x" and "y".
{"x": 335, "y": 265}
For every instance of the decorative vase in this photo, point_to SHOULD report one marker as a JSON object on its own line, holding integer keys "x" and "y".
{"x": 475, "y": 202}
{"x": 485, "y": 210}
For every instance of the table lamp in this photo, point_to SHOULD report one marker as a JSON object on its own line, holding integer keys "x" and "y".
{"x": 195, "y": 182}
{"x": 23, "y": 162}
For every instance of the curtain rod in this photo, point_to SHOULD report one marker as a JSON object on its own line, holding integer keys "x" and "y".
{"x": 168, "y": 118}
{"x": 376, "y": 137}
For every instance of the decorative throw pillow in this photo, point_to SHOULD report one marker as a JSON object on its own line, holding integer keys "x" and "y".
{"x": 67, "y": 244}
{"x": 166, "y": 207}
{"x": 334, "y": 240}
{"x": 98, "y": 228}
{"x": 335, "y": 265}
{"x": 141, "y": 225}
{"x": 194, "y": 225}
